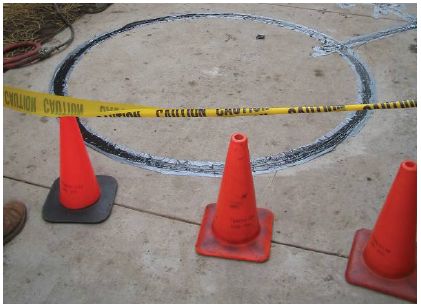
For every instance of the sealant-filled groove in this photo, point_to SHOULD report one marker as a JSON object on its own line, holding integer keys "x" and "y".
{"x": 320, "y": 146}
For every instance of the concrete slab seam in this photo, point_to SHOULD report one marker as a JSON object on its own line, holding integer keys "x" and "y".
{"x": 186, "y": 220}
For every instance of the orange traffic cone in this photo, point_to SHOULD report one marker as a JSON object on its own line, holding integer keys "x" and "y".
{"x": 78, "y": 196}
{"x": 233, "y": 227}
{"x": 78, "y": 185}
{"x": 385, "y": 259}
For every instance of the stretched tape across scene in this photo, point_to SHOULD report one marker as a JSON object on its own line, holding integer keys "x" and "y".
{"x": 50, "y": 105}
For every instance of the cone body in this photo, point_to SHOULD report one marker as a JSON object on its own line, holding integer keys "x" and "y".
{"x": 78, "y": 185}
{"x": 391, "y": 249}
{"x": 236, "y": 219}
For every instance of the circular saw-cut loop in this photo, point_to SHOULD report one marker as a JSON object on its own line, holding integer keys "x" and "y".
{"x": 266, "y": 164}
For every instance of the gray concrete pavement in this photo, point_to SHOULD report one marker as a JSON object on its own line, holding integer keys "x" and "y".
{"x": 141, "y": 258}
{"x": 145, "y": 251}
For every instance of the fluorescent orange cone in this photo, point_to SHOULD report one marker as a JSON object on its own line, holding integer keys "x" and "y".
{"x": 78, "y": 185}
{"x": 233, "y": 227}
{"x": 78, "y": 196}
{"x": 385, "y": 259}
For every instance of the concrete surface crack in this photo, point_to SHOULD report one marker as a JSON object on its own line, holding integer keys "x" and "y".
{"x": 158, "y": 214}
{"x": 25, "y": 182}
{"x": 184, "y": 220}
{"x": 198, "y": 224}
{"x": 309, "y": 249}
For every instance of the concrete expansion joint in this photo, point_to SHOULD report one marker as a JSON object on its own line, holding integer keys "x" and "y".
{"x": 158, "y": 214}
{"x": 198, "y": 224}
{"x": 178, "y": 219}
{"x": 310, "y": 249}
{"x": 25, "y": 182}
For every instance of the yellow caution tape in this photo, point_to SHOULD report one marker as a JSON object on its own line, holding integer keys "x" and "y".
{"x": 43, "y": 104}
{"x": 49, "y": 105}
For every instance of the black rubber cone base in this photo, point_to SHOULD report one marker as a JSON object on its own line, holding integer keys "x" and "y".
{"x": 53, "y": 211}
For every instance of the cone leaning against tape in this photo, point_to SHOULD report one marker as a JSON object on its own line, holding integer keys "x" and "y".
{"x": 233, "y": 227}
{"x": 384, "y": 259}
{"x": 78, "y": 196}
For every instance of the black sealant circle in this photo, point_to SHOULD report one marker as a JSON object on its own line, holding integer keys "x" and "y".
{"x": 266, "y": 164}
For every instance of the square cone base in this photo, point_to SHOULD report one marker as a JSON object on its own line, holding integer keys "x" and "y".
{"x": 358, "y": 273}
{"x": 54, "y": 211}
{"x": 257, "y": 250}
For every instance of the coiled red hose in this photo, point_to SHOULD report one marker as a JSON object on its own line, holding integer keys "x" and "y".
{"x": 22, "y": 58}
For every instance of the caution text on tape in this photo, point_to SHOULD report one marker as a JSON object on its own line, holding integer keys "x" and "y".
{"x": 50, "y": 105}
